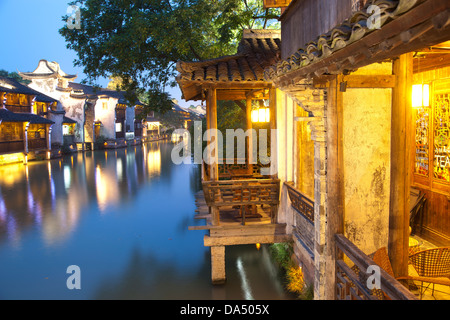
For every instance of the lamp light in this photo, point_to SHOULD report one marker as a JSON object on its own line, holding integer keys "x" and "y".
{"x": 420, "y": 95}
{"x": 261, "y": 115}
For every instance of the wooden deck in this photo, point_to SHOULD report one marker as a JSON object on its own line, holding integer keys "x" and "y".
{"x": 231, "y": 230}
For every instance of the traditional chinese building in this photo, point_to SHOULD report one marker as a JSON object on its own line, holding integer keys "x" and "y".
{"x": 25, "y": 127}
{"x": 91, "y": 114}
{"x": 352, "y": 140}
{"x": 358, "y": 94}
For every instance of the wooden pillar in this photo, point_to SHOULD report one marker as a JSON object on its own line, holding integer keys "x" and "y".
{"x": 248, "y": 109}
{"x": 334, "y": 180}
{"x": 25, "y": 142}
{"x": 400, "y": 164}
{"x": 214, "y": 156}
{"x": 273, "y": 127}
{"x": 212, "y": 104}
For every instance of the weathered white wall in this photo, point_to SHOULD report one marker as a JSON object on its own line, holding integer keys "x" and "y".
{"x": 129, "y": 119}
{"x": 106, "y": 116}
{"x": 366, "y": 139}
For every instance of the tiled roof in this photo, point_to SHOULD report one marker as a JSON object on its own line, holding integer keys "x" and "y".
{"x": 8, "y": 116}
{"x": 350, "y": 31}
{"x": 253, "y": 56}
{"x": 94, "y": 92}
{"x": 47, "y": 69}
{"x": 10, "y": 85}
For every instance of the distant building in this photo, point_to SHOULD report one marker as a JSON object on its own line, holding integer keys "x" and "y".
{"x": 25, "y": 122}
{"x": 92, "y": 114}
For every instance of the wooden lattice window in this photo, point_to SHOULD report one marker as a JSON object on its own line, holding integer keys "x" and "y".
{"x": 441, "y": 130}
{"x": 432, "y": 139}
{"x": 421, "y": 165}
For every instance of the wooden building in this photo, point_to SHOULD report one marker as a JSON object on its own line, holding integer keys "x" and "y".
{"x": 25, "y": 131}
{"x": 238, "y": 202}
{"x": 351, "y": 145}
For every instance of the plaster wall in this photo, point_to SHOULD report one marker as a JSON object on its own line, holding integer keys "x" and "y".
{"x": 107, "y": 115}
{"x": 75, "y": 110}
{"x": 366, "y": 140}
{"x": 129, "y": 119}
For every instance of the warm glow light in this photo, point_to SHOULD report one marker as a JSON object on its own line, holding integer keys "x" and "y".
{"x": 420, "y": 95}
{"x": 255, "y": 115}
{"x": 261, "y": 115}
{"x": 426, "y": 95}
{"x": 258, "y": 245}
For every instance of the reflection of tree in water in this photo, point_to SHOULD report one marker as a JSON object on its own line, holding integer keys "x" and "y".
{"x": 148, "y": 278}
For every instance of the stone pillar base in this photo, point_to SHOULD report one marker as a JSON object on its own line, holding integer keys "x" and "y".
{"x": 218, "y": 265}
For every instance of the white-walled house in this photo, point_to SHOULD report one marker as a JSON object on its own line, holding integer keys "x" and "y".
{"x": 92, "y": 114}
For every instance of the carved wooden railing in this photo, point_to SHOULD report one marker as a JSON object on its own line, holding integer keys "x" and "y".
{"x": 300, "y": 202}
{"x": 352, "y": 282}
{"x": 243, "y": 193}
{"x": 11, "y": 146}
{"x": 37, "y": 144}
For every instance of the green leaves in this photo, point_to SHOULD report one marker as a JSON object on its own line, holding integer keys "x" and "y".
{"x": 140, "y": 41}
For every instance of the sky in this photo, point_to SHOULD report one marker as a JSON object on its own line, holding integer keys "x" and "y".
{"x": 29, "y": 30}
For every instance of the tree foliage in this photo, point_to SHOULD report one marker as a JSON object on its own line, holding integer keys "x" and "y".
{"x": 140, "y": 41}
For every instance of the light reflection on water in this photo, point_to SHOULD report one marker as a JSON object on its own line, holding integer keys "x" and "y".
{"x": 122, "y": 216}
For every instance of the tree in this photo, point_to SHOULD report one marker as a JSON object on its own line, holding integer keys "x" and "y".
{"x": 15, "y": 76}
{"x": 140, "y": 41}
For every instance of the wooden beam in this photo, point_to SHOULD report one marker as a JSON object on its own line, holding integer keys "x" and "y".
{"x": 401, "y": 120}
{"x": 370, "y": 81}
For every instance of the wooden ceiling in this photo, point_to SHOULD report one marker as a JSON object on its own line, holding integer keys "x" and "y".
{"x": 429, "y": 58}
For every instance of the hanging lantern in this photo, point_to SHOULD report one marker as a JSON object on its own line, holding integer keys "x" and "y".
{"x": 420, "y": 95}
{"x": 261, "y": 115}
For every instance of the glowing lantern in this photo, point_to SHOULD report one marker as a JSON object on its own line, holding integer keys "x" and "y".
{"x": 258, "y": 245}
{"x": 420, "y": 95}
{"x": 261, "y": 115}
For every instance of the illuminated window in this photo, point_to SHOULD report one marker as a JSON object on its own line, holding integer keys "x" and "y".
{"x": 118, "y": 127}
{"x": 432, "y": 138}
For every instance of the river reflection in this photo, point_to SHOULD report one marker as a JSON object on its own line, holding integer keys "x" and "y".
{"x": 122, "y": 216}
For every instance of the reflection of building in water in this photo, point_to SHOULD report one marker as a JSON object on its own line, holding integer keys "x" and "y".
{"x": 106, "y": 188}
{"x": 153, "y": 160}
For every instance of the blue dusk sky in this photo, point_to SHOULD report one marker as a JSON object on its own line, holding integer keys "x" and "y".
{"x": 29, "y": 31}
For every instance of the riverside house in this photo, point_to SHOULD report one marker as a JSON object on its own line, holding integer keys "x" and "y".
{"x": 92, "y": 114}
{"x": 358, "y": 91}
{"x": 25, "y": 122}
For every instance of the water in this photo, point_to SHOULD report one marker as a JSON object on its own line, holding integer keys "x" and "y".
{"x": 122, "y": 217}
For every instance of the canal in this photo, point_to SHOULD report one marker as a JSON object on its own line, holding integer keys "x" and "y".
{"x": 121, "y": 216}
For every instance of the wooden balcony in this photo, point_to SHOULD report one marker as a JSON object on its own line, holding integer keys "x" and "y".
{"x": 240, "y": 212}
{"x": 11, "y": 146}
{"x": 37, "y": 144}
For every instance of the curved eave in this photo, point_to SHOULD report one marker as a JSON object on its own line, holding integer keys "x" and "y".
{"x": 410, "y": 26}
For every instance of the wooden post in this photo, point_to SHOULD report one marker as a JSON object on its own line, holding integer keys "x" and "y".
{"x": 212, "y": 102}
{"x": 400, "y": 164}
{"x": 25, "y": 142}
{"x": 214, "y": 158}
{"x": 248, "y": 110}
{"x": 273, "y": 127}
{"x": 335, "y": 179}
